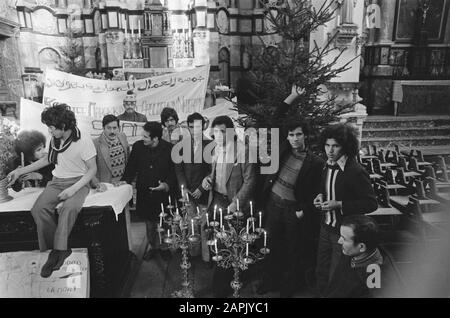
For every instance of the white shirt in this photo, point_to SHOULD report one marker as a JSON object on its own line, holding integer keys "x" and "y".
{"x": 72, "y": 162}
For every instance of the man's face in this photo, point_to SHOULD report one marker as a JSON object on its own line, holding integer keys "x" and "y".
{"x": 333, "y": 150}
{"x": 39, "y": 152}
{"x": 348, "y": 245}
{"x": 296, "y": 138}
{"x": 130, "y": 106}
{"x": 148, "y": 141}
{"x": 196, "y": 129}
{"x": 220, "y": 134}
{"x": 56, "y": 133}
{"x": 170, "y": 123}
{"x": 111, "y": 130}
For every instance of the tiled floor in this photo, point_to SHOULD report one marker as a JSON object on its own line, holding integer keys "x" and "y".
{"x": 159, "y": 279}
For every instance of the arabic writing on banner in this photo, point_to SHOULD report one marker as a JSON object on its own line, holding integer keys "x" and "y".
{"x": 184, "y": 91}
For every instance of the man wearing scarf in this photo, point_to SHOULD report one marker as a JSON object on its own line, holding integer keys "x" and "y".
{"x": 112, "y": 153}
{"x": 74, "y": 157}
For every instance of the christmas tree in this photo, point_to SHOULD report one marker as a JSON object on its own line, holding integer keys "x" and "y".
{"x": 293, "y": 61}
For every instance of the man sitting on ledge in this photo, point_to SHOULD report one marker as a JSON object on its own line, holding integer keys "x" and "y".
{"x": 75, "y": 166}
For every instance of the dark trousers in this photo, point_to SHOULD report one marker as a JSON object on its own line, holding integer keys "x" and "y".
{"x": 282, "y": 265}
{"x": 328, "y": 255}
{"x": 221, "y": 277}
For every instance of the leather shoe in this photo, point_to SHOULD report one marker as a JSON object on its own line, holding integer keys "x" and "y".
{"x": 62, "y": 255}
{"x": 52, "y": 259}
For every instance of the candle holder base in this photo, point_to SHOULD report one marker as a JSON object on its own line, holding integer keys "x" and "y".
{"x": 238, "y": 214}
{"x": 214, "y": 223}
{"x": 228, "y": 217}
{"x": 217, "y": 258}
{"x": 264, "y": 251}
{"x": 194, "y": 238}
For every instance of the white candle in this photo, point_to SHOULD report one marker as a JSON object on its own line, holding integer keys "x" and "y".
{"x": 198, "y": 211}
{"x": 168, "y": 232}
{"x": 182, "y": 190}
{"x": 251, "y": 208}
{"x": 192, "y": 224}
{"x": 162, "y": 208}
{"x": 265, "y": 238}
{"x": 187, "y": 197}
{"x": 160, "y": 220}
{"x": 220, "y": 210}
{"x": 237, "y": 204}
{"x": 207, "y": 219}
{"x": 139, "y": 27}
{"x": 214, "y": 214}
{"x": 228, "y": 208}
{"x": 253, "y": 225}
{"x": 170, "y": 200}
{"x": 215, "y": 245}
{"x": 178, "y": 213}
{"x": 246, "y": 252}
{"x": 247, "y": 224}
{"x": 260, "y": 219}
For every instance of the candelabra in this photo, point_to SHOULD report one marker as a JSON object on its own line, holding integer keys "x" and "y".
{"x": 236, "y": 240}
{"x": 180, "y": 235}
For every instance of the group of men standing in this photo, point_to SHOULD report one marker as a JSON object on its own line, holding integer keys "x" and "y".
{"x": 304, "y": 202}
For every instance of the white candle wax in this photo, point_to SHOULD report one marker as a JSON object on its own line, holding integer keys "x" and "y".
{"x": 162, "y": 208}
{"x": 228, "y": 208}
{"x": 253, "y": 225}
{"x": 192, "y": 223}
{"x": 260, "y": 219}
{"x": 214, "y": 214}
{"x": 237, "y": 204}
{"x": 247, "y": 225}
{"x": 220, "y": 210}
{"x": 182, "y": 190}
{"x": 251, "y": 208}
{"x": 198, "y": 211}
{"x": 160, "y": 220}
{"x": 265, "y": 238}
{"x": 215, "y": 245}
{"x": 246, "y": 252}
{"x": 170, "y": 200}
{"x": 207, "y": 219}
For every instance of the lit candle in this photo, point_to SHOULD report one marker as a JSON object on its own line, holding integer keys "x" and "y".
{"x": 260, "y": 219}
{"x": 160, "y": 220}
{"x": 237, "y": 204}
{"x": 170, "y": 200}
{"x": 178, "y": 213}
{"x": 182, "y": 190}
{"x": 139, "y": 27}
{"x": 162, "y": 208}
{"x": 198, "y": 211}
{"x": 215, "y": 245}
{"x": 251, "y": 208}
{"x": 207, "y": 219}
{"x": 253, "y": 225}
{"x": 192, "y": 224}
{"x": 228, "y": 208}
{"x": 246, "y": 252}
{"x": 220, "y": 210}
{"x": 247, "y": 224}
{"x": 214, "y": 214}
{"x": 265, "y": 238}
{"x": 168, "y": 232}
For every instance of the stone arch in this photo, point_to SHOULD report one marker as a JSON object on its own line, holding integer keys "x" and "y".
{"x": 49, "y": 58}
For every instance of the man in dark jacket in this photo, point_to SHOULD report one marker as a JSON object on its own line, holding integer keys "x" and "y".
{"x": 150, "y": 160}
{"x": 290, "y": 217}
{"x": 191, "y": 172}
{"x": 346, "y": 190}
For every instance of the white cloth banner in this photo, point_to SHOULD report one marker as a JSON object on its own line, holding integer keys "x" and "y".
{"x": 184, "y": 91}
{"x": 30, "y": 119}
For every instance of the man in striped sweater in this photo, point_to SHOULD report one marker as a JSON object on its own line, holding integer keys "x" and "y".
{"x": 346, "y": 190}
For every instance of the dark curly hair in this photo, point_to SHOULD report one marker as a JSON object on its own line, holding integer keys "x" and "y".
{"x": 27, "y": 142}
{"x": 345, "y": 135}
{"x": 365, "y": 230}
{"x": 59, "y": 116}
{"x": 168, "y": 112}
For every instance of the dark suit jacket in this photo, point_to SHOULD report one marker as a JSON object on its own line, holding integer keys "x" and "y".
{"x": 103, "y": 158}
{"x": 192, "y": 174}
{"x": 150, "y": 165}
{"x": 354, "y": 189}
{"x": 241, "y": 178}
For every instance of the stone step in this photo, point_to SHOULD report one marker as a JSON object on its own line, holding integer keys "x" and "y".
{"x": 406, "y": 131}
{"x": 406, "y": 121}
{"x": 408, "y": 142}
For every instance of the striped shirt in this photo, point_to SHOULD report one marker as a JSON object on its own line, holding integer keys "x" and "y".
{"x": 333, "y": 170}
{"x": 287, "y": 178}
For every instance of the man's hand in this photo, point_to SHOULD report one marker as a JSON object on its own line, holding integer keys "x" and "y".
{"x": 119, "y": 183}
{"x": 297, "y": 91}
{"x": 66, "y": 194}
{"x": 162, "y": 187}
{"x": 206, "y": 183}
{"x": 318, "y": 201}
{"x": 13, "y": 176}
{"x": 196, "y": 194}
{"x": 331, "y": 205}
{"x": 31, "y": 176}
{"x": 299, "y": 214}
{"x": 101, "y": 187}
